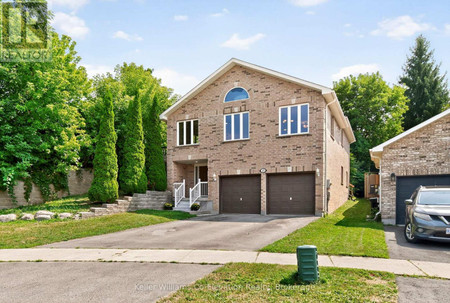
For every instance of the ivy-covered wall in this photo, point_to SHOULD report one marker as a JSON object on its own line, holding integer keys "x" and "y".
{"x": 79, "y": 183}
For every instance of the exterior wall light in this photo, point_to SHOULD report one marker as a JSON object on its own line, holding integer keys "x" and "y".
{"x": 392, "y": 177}
{"x": 214, "y": 177}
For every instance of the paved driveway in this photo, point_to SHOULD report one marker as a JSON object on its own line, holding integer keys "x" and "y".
{"x": 412, "y": 290}
{"x": 228, "y": 232}
{"x": 94, "y": 282}
{"x": 423, "y": 251}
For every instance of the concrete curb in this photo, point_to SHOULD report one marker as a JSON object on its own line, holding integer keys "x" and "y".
{"x": 399, "y": 267}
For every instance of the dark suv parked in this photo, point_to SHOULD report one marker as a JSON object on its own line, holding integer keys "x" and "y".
{"x": 428, "y": 214}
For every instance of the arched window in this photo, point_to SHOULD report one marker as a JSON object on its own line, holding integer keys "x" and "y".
{"x": 237, "y": 93}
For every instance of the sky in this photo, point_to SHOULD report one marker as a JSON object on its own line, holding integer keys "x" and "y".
{"x": 316, "y": 40}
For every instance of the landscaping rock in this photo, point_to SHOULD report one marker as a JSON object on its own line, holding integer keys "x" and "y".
{"x": 8, "y": 218}
{"x": 27, "y": 217}
{"x": 43, "y": 217}
{"x": 65, "y": 215}
{"x": 77, "y": 217}
{"x": 45, "y": 213}
{"x": 86, "y": 214}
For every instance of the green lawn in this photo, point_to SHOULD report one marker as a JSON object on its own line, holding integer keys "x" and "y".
{"x": 23, "y": 234}
{"x": 71, "y": 204}
{"x": 244, "y": 282}
{"x": 345, "y": 232}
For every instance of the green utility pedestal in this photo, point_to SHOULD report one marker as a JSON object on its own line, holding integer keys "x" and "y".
{"x": 307, "y": 261}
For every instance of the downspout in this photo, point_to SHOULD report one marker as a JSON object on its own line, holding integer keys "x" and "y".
{"x": 379, "y": 188}
{"x": 325, "y": 196}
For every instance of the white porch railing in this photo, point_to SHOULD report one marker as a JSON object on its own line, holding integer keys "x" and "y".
{"x": 179, "y": 189}
{"x": 200, "y": 189}
{"x": 204, "y": 189}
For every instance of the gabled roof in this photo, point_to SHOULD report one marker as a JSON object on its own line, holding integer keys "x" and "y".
{"x": 328, "y": 93}
{"x": 376, "y": 152}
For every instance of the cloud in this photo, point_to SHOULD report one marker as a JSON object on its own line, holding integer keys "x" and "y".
{"x": 355, "y": 70}
{"x": 310, "y": 13}
{"x": 123, "y": 35}
{"x": 95, "y": 69}
{"x": 222, "y": 13}
{"x": 347, "y": 25}
{"x": 180, "y": 18}
{"x": 71, "y": 4}
{"x": 70, "y": 25}
{"x": 306, "y": 3}
{"x": 242, "y": 44}
{"x": 447, "y": 29}
{"x": 400, "y": 27}
{"x": 179, "y": 82}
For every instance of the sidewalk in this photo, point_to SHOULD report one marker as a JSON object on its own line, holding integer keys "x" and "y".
{"x": 400, "y": 267}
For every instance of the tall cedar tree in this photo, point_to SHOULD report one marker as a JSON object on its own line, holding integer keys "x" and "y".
{"x": 375, "y": 111}
{"x": 154, "y": 158}
{"x": 132, "y": 176}
{"x": 426, "y": 89}
{"x": 104, "y": 187}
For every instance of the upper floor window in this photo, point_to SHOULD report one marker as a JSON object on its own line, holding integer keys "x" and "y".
{"x": 187, "y": 132}
{"x": 294, "y": 119}
{"x": 236, "y": 126}
{"x": 236, "y": 94}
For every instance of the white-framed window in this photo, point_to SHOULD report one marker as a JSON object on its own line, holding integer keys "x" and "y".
{"x": 236, "y": 94}
{"x": 236, "y": 126}
{"x": 187, "y": 132}
{"x": 294, "y": 119}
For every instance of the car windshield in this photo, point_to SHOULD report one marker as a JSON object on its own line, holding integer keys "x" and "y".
{"x": 435, "y": 197}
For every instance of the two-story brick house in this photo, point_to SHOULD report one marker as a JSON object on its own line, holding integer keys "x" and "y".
{"x": 254, "y": 140}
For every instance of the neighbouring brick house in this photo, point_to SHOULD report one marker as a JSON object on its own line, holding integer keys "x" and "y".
{"x": 254, "y": 140}
{"x": 419, "y": 156}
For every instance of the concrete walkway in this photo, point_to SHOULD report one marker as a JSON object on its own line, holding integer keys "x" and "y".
{"x": 400, "y": 267}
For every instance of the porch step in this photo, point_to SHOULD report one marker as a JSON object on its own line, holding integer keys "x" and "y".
{"x": 205, "y": 207}
{"x": 183, "y": 205}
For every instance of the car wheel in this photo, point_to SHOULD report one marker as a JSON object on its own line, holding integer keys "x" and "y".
{"x": 409, "y": 235}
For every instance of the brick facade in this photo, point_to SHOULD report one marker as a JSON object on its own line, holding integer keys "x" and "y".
{"x": 338, "y": 165}
{"x": 423, "y": 152}
{"x": 265, "y": 148}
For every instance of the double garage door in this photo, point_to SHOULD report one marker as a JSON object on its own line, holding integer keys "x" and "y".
{"x": 286, "y": 194}
{"x": 407, "y": 185}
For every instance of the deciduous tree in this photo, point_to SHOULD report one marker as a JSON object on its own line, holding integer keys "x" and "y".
{"x": 41, "y": 129}
{"x": 375, "y": 111}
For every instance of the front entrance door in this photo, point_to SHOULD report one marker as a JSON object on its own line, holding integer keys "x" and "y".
{"x": 201, "y": 173}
